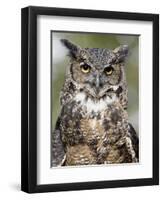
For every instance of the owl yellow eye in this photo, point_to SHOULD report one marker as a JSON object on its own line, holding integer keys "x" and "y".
{"x": 85, "y": 68}
{"x": 108, "y": 70}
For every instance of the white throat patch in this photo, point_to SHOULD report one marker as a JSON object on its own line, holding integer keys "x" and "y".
{"x": 95, "y": 106}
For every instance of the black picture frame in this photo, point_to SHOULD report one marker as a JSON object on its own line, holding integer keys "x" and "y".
{"x": 29, "y": 99}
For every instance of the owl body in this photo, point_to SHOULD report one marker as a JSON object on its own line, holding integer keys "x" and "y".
{"x": 93, "y": 126}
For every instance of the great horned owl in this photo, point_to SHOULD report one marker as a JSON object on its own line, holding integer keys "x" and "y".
{"x": 93, "y": 126}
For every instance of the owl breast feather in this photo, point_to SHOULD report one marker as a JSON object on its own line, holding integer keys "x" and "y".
{"x": 92, "y": 129}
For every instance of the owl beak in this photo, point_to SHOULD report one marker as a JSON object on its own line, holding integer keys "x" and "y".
{"x": 97, "y": 82}
{"x": 97, "y": 85}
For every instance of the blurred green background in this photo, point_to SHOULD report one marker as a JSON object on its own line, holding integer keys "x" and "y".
{"x": 60, "y": 63}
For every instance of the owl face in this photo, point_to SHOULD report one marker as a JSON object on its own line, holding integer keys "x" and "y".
{"x": 98, "y": 72}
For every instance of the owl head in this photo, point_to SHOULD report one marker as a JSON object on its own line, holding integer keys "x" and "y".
{"x": 97, "y": 72}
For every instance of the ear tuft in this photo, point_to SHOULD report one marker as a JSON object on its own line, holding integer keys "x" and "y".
{"x": 73, "y": 49}
{"x": 121, "y": 52}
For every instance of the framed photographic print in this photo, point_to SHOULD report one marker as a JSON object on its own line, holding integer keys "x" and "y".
{"x": 90, "y": 99}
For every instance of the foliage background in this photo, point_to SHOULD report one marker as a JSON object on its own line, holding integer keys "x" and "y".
{"x": 60, "y": 63}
